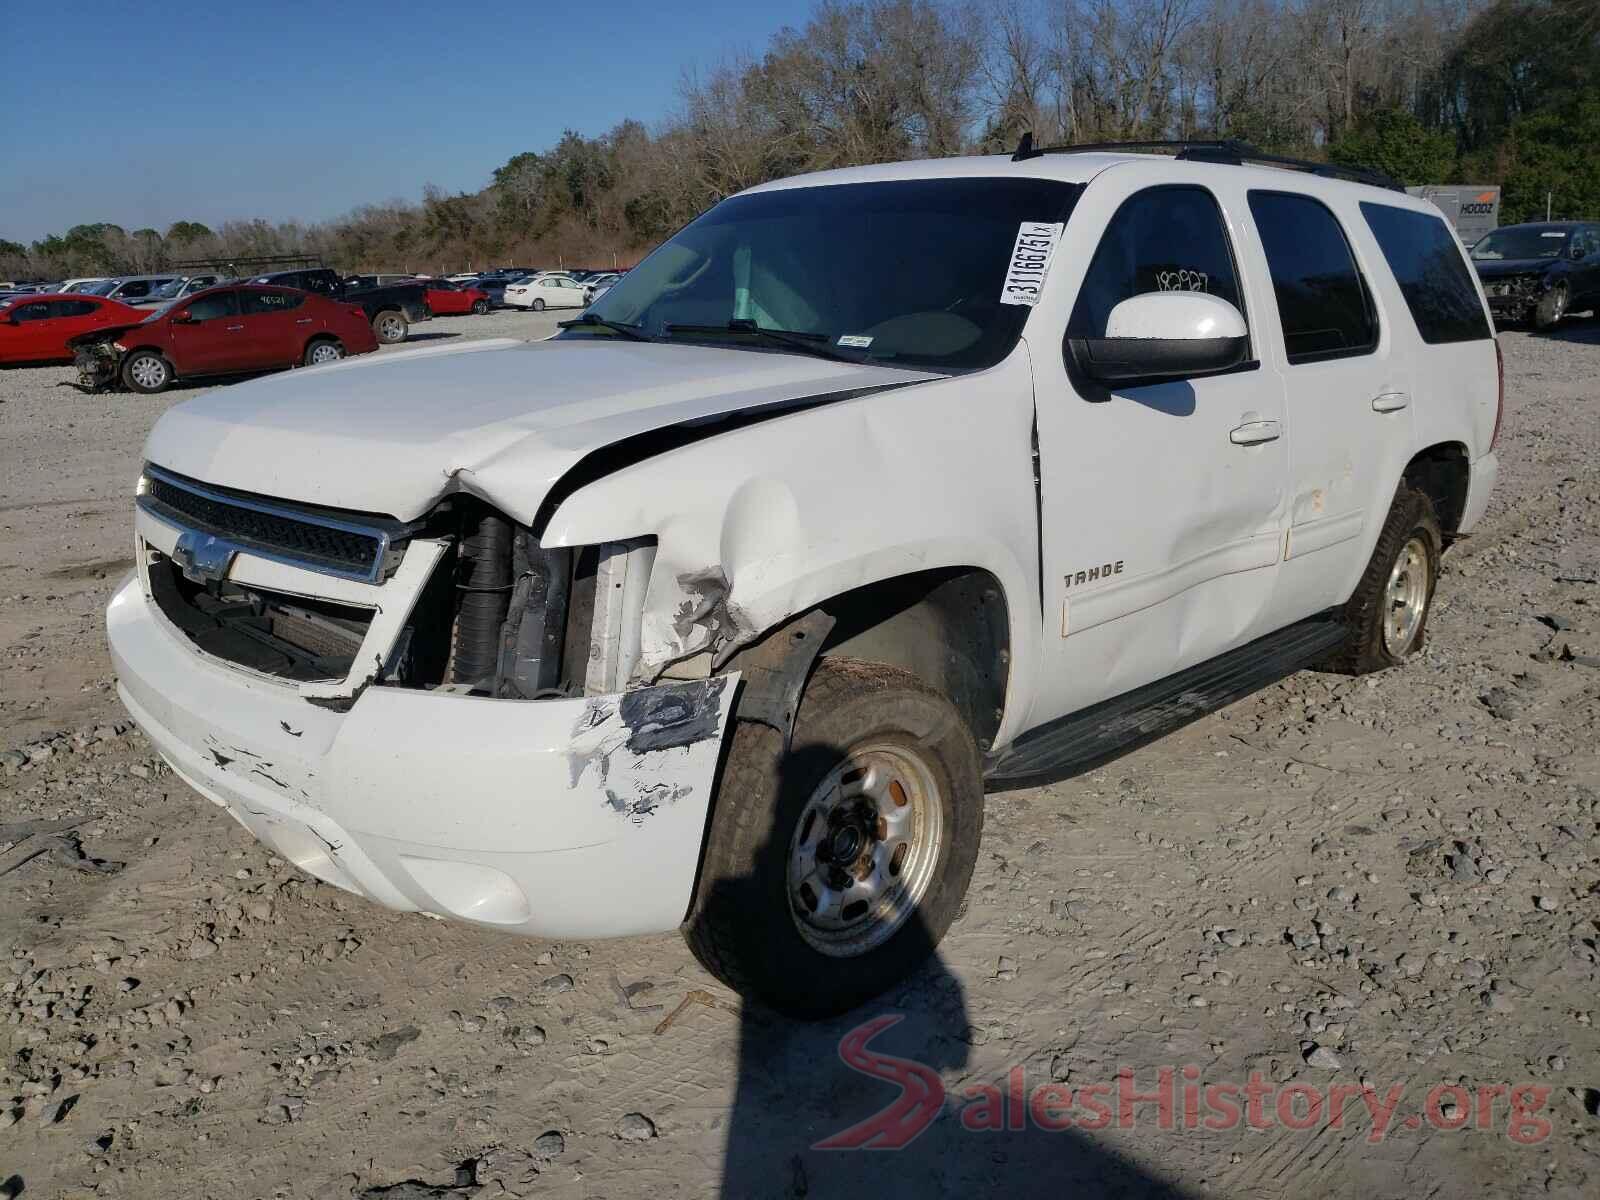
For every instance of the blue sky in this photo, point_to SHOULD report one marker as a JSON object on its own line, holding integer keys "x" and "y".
{"x": 146, "y": 114}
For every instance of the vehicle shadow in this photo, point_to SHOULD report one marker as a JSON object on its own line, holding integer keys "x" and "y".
{"x": 890, "y": 1100}
{"x": 427, "y": 337}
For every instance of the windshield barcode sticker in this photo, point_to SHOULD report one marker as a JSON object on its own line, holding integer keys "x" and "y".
{"x": 1030, "y": 260}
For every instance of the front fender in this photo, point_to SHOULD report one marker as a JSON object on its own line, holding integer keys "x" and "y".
{"x": 765, "y": 521}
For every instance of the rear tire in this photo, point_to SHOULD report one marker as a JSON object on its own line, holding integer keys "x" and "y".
{"x": 146, "y": 371}
{"x": 538, "y": 304}
{"x": 883, "y": 779}
{"x": 390, "y": 327}
{"x": 322, "y": 351}
{"x": 1388, "y": 614}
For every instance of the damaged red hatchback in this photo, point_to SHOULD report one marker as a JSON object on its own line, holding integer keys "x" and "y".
{"x": 221, "y": 331}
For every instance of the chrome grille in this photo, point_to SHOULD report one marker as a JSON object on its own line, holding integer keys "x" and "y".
{"x": 301, "y": 536}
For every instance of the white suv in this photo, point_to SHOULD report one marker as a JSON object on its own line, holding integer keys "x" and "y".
{"x": 867, "y": 491}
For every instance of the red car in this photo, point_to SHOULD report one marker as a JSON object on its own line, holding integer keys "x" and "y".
{"x": 223, "y": 330}
{"x": 36, "y": 328}
{"x": 450, "y": 299}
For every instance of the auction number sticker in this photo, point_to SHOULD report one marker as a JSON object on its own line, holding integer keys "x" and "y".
{"x": 1030, "y": 260}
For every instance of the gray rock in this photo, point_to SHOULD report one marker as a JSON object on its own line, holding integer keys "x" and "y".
{"x": 550, "y": 1144}
{"x": 1321, "y": 1056}
{"x": 636, "y": 1127}
{"x": 558, "y": 983}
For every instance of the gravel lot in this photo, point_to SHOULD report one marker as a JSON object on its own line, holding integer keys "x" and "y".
{"x": 1388, "y": 881}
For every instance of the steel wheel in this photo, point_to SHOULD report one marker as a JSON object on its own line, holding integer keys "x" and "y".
{"x": 864, "y": 850}
{"x": 149, "y": 372}
{"x": 1406, "y": 597}
{"x": 324, "y": 352}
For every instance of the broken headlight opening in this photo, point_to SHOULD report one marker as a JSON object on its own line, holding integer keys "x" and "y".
{"x": 528, "y": 622}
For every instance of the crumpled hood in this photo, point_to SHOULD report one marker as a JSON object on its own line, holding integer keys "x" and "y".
{"x": 501, "y": 419}
{"x": 1506, "y": 268}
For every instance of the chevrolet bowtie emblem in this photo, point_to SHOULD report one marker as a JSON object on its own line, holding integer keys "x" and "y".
{"x": 203, "y": 558}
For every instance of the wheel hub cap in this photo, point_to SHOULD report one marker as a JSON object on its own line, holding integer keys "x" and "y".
{"x": 864, "y": 850}
{"x": 148, "y": 372}
{"x": 1405, "y": 598}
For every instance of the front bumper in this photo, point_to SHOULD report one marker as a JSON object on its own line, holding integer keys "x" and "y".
{"x": 551, "y": 818}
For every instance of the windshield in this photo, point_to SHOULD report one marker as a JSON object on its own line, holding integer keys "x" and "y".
{"x": 167, "y": 290}
{"x": 104, "y": 288}
{"x": 1521, "y": 243}
{"x": 905, "y": 271}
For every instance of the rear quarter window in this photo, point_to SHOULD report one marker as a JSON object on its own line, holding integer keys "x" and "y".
{"x": 1422, "y": 253}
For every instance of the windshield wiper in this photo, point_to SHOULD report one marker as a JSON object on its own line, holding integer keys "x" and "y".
{"x": 628, "y": 331}
{"x": 806, "y": 343}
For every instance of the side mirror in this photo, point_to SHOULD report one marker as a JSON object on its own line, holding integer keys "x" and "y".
{"x": 1164, "y": 335}
{"x": 184, "y": 318}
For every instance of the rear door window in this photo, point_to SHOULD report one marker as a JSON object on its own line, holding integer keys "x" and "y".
{"x": 1427, "y": 265}
{"x": 1324, "y": 304}
{"x": 1163, "y": 239}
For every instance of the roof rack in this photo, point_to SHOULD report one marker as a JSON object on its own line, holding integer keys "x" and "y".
{"x": 1226, "y": 150}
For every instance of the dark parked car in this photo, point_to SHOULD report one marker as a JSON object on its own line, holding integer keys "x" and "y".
{"x": 494, "y": 286}
{"x": 1541, "y": 271}
{"x": 391, "y": 309}
{"x": 223, "y": 331}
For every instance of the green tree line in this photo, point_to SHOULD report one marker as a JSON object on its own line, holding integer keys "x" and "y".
{"x": 1432, "y": 91}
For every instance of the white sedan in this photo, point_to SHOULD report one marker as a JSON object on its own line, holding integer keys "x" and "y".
{"x": 552, "y": 291}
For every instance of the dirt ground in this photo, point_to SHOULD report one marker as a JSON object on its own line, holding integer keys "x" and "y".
{"x": 1387, "y": 882}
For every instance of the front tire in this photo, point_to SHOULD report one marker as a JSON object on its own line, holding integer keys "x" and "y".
{"x": 1388, "y": 613}
{"x": 832, "y": 872}
{"x": 538, "y": 304}
{"x": 480, "y": 307}
{"x": 1551, "y": 308}
{"x": 390, "y": 327}
{"x": 323, "y": 351}
{"x": 146, "y": 371}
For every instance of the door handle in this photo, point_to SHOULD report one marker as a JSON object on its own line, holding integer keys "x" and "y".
{"x": 235, "y": 328}
{"x": 1253, "y": 433}
{"x": 1390, "y": 402}
{"x": 305, "y": 321}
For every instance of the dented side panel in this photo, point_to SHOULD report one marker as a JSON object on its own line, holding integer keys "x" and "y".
{"x": 758, "y": 525}
{"x": 554, "y": 818}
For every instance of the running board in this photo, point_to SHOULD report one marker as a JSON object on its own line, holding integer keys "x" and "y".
{"x": 1081, "y": 739}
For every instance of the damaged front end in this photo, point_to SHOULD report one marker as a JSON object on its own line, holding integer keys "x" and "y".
{"x": 436, "y": 714}
{"x": 97, "y": 358}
